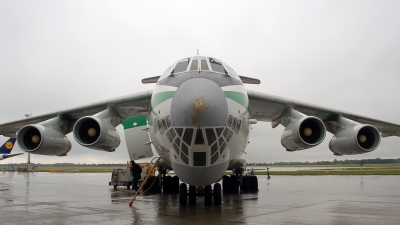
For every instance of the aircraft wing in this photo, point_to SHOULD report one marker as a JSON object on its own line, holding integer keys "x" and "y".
{"x": 270, "y": 108}
{"x": 125, "y": 106}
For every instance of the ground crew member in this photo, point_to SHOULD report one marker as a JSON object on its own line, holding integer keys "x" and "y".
{"x": 252, "y": 171}
{"x": 136, "y": 173}
{"x": 268, "y": 174}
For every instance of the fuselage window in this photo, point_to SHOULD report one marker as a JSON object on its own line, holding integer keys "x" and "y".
{"x": 164, "y": 125}
{"x": 229, "y": 120}
{"x": 187, "y": 137}
{"x": 204, "y": 65}
{"x": 194, "y": 65}
{"x": 181, "y": 66}
{"x": 234, "y": 123}
{"x": 199, "y": 158}
{"x": 199, "y": 137}
{"x": 217, "y": 66}
{"x": 214, "y": 158}
{"x": 168, "y": 118}
{"x": 184, "y": 158}
{"x": 185, "y": 149}
{"x": 214, "y": 148}
{"x": 239, "y": 122}
{"x": 210, "y": 136}
{"x": 160, "y": 127}
{"x": 179, "y": 131}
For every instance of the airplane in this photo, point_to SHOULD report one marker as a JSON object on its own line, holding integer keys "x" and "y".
{"x": 6, "y": 148}
{"x": 198, "y": 118}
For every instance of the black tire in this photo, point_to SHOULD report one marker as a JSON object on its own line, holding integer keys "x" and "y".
{"x": 156, "y": 186}
{"x": 115, "y": 186}
{"x": 207, "y": 195}
{"x": 192, "y": 195}
{"x": 226, "y": 184}
{"x": 217, "y": 194}
{"x": 182, "y": 194}
{"x": 148, "y": 183}
{"x": 175, "y": 184}
{"x": 234, "y": 184}
{"x": 166, "y": 184}
{"x": 246, "y": 183}
{"x": 128, "y": 187}
{"x": 254, "y": 183}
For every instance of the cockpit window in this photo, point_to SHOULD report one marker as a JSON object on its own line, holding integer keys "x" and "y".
{"x": 181, "y": 66}
{"x": 217, "y": 66}
{"x": 204, "y": 65}
{"x": 194, "y": 65}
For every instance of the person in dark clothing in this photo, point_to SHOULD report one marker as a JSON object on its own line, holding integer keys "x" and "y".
{"x": 136, "y": 172}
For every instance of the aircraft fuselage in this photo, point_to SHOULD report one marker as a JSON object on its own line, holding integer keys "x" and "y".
{"x": 199, "y": 122}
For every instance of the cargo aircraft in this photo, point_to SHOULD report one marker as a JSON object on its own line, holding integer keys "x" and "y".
{"x": 198, "y": 119}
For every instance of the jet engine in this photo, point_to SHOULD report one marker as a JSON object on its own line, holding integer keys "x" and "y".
{"x": 355, "y": 140}
{"x": 306, "y": 132}
{"x": 98, "y": 131}
{"x": 43, "y": 140}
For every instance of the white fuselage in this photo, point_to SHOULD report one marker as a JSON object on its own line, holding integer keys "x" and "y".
{"x": 199, "y": 123}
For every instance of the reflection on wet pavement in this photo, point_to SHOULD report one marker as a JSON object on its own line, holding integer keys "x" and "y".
{"x": 86, "y": 198}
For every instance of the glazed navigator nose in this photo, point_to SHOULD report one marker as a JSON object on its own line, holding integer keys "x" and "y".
{"x": 199, "y": 102}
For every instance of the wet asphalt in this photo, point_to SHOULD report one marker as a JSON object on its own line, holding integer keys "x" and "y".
{"x": 86, "y": 198}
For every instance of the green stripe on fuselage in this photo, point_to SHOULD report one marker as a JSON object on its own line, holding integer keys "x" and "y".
{"x": 238, "y": 97}
{"x": 159, "y": 98}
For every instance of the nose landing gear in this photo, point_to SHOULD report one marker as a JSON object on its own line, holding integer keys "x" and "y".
{"x": 200, "y": 191}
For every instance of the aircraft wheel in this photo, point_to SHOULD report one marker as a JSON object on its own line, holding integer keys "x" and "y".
{"x": 207, "y": 195}
{"x": 175, "y": 184}
{"x": 254, "y": 183}
{"x": 217, "y": 194}
{"x": 234, "y": 184}
{"x": 166, "y": 184}
{"x": 115, "y": 186}
{"x": 148, "y": 183}
{"x": 128, "y": 187}
{"x": 182, "y": 194}
{"x": 192, "y": 195}
{"x": 246, "y": 183}
{"x": 226, "y": 184}
{"x": 156, "y": 186}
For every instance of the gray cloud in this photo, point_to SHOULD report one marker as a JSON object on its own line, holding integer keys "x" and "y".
{"x": 340, "y": 54}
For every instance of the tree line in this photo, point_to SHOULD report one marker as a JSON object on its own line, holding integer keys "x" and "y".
{"x": 333, "y": 162}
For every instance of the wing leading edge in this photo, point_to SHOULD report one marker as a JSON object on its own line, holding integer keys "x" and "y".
{"x": 271, "y": 108}
{"x": 124, "y": 106}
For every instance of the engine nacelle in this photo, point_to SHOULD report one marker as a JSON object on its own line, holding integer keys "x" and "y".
{"x": 355, "y": 140}
{"x": 96, "y": 133}
{"x": 43, "y": 140}
{"x": 303, "y": 133}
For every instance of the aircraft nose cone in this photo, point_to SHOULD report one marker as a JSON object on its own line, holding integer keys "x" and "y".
{"x": 199, "y": 102}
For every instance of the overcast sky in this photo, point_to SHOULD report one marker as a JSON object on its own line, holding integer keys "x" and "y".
{"x": 341, "y": 54}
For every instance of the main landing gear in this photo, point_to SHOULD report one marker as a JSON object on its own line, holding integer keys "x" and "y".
{"x": 169, "y": 184}
{"x": 234, "y": 183}
{"x": 194, "y": 192}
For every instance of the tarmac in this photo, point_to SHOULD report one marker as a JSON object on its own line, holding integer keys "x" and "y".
{"x": 86, "y": 198}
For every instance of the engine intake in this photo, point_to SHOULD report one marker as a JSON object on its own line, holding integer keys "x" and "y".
{"x": 43, "y": 140}
{"x": 96, "y": 133}
{"x": 304, "y": 133}
{"x": 355, "y": 140}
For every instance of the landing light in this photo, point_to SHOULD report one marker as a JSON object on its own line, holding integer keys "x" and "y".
{"x": 307, "y": 132}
